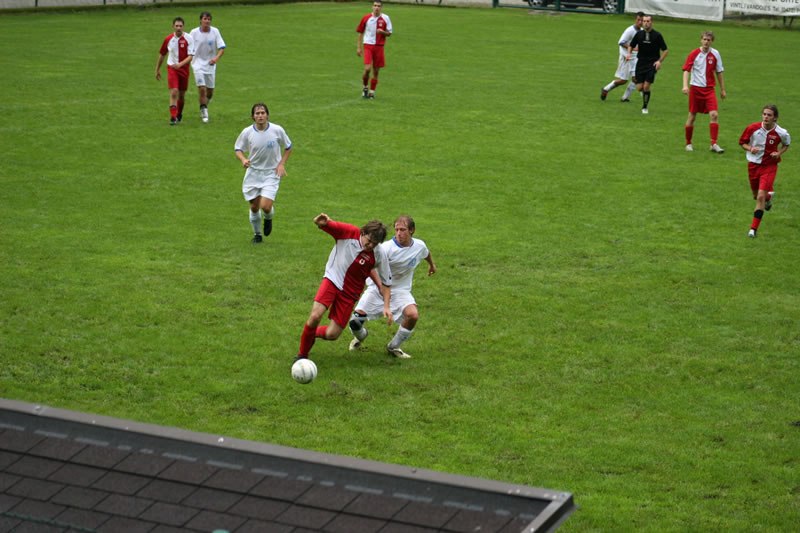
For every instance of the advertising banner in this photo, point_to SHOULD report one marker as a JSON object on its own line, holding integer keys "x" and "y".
{"x": 763, "y": 7}
{"x": 685, "y": 9}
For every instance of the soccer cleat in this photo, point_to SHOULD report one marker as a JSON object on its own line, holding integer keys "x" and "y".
{"x": 355, "y": 345}
{"x": 716, "y": 148}
{"x": 768, "y": 203}
{"x": 626, "y": 100}
{"x": 257, "y": 238}
{"x": 172, "y": 121}
{"x": 397, "y": 352}
{"x": 645, "y": 111}
{"x": 603, "y": 94}
{"x": 267, "y": 226}
{"x": 180, "y": 118}
{"x": 372, "y": 95}
{"x": 751, "y": 234}
{"x": 689, "y": 148}
{"x": 365, "y": 93}
{"x": 204, "y": 115}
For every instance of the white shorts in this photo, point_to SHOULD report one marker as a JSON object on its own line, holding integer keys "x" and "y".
{"x": 625, "y": 68}
{"x": 371, "y": 303}
{"x": 205, "y": 80}
{"x": 260, "y": 183}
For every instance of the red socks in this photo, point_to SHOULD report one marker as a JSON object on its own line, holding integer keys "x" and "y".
{"x": 689, "y": 133}
{"x": 714, "y": 129}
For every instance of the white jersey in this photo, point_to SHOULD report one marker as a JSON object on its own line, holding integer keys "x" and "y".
{"x": 263, "y": 147}
{"x": 626, "y": 38}
{"x": 206, "y": 46}
{"x": 402, "y": 261}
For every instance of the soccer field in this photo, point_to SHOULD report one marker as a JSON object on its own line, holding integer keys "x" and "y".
{"x": 599, "y": 323}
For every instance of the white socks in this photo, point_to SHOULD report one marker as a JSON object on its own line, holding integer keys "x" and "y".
{"x": 400, "y": 337}
{"x": 629, "y": 90}
{"x": 255, "y": 221}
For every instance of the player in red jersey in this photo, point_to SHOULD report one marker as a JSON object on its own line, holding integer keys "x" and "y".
{"x": 761, "y": 140}
{"x": 178, "y": 48}
{"x": 702, "y": 64}
{"x": 354, "y": 258}
{"x": 373, "y": 30}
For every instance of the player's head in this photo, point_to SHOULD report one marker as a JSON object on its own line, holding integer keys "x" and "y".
{"x": 177, "y": 25}
{"x": 377, "y": 5}
{"x": 372, "y": 234}
{"x": 205, "y": 19}
{"x": 706, "y": 39}
{"x": 769, "y": 114}
{"x": 404, "y": 228}
{"x": 259, "y": 105}
{"x": 638, "y": 20}
{"x": 647, "y": 21}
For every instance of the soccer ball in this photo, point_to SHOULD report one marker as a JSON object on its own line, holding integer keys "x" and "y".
{"x": 304, "y": 371}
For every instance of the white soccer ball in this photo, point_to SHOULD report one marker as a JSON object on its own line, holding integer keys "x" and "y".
{"x": 304, "y": 371}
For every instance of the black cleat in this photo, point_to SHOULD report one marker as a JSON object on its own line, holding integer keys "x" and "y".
{"x": 267, "y": 226}
{"x": 626, "y": 100}
{"x": 172, "y": 121}
{"x": 180, "y": 118}
{"x": 257, "y": 239}
{"x": 768, "y": 203}
{"x": 603, "y": 94}
{"x": 372, "y": 96}
{"x": 365, "y": 93}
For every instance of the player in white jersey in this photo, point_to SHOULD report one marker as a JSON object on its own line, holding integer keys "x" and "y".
{"x": 403, "y": 253}
{"x": 625, "y": 67}
{"x": 209, "y": 47}
{"x": 265, "y": 166}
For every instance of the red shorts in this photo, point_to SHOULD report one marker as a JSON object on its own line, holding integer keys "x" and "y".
{"x": 702, "y": 99}
{"x": 762, "y": 177}
{"x": 373, "y": 55}
{"x": 178, "y": 78}
{"x": 339, "y": 305}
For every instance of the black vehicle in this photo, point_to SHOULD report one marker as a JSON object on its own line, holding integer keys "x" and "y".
{"x": 609, "y": 6}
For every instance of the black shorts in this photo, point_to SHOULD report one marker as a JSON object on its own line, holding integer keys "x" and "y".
{"x": 645, "y": 73}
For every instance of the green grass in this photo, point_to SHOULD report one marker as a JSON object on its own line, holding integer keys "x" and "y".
{"x": 599, "y": 323}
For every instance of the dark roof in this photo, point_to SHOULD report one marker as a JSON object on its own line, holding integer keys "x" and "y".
{"x": 67, "y": 471}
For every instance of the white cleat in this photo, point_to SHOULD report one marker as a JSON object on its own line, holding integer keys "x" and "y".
{"x": 645, "y": 111}
{"x": 397, "y": 352}
{"x": 717, "y": 148}
{"x": 689, "y": 148}
{"x": 751, "y": 234}
{"x": 204, "y": 115}
{"x": 355, "y": 345}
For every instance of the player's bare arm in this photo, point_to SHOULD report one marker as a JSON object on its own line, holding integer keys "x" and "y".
{"x": 358, "y": 43}
{"x": 245, "y": 161}
{"x": 213, "y": 60}
{"x": 431, "y": 264}
{"x": 281, "y": 169}
{"x": 628, "y": 55}
{"x": 660, "y": 60}
{"x": 685, "y": 82}
{"x": 776, "y": 154}
{"x": 158, "y": 66}
{"x": 185, "y": 62}
{"x": 721, "y": 79}
{"x": 322, "y": 220}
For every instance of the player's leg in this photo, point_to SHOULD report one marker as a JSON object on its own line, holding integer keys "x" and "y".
{"x": 267, "y": 207}
{"x": 255, "y": 218}
{"x": 689, "y": 128}
{"x": 367, "y": 70}
{"x": 183, "y": 85}
{"x": 310, "y": 329}
{"x": 369, "y": 307}
{"x": 765, "y": 177}
{"x": 713, "y": 130}
{"x": 407, "y": 321}
{"x": 373, "y": 83}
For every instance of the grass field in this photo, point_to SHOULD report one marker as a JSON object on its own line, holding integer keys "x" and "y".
{"x": 599, "y": 323}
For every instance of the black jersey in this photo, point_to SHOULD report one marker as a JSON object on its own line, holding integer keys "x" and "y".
{"x": 650, "y": 46}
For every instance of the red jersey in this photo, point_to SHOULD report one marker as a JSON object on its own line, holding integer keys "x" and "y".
{"x": 177, "y": 49}
{"x": 349, "y": 264}
{"x": 702, "y": 67}
{"x": 370, "y": 25}
{"x": 766, "y": 140}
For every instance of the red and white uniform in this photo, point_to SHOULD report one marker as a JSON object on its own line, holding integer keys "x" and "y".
{"x": 349, "y": 264}
{"x": 370, "y": 25}
{"x": 177, "y": 49}
{"x": 702, "y": 66}
{"x": 766, "y": 141}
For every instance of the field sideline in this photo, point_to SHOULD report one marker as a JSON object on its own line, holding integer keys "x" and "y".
{"x": 599, "y": 323}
